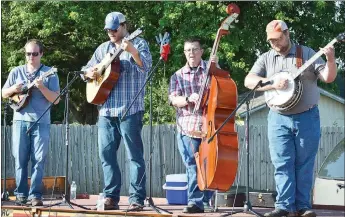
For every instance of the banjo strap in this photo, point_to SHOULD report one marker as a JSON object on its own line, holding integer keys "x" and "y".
{"x": 299, "y": 56}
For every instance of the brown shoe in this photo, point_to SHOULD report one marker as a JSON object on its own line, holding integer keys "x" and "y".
{"x": 306, "y": 213}
{"x": 109, "y": 204}
{"x": 36, "y": 202}
{"x": 135, "y": 207}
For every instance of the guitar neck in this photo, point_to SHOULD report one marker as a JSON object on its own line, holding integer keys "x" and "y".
{"x": 47, "y": 74}
{"x": 115, "y": 55}
{"x": 313, "y": 59}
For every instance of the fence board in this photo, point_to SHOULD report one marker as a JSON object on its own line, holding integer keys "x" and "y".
{"x": 85, "y": 166}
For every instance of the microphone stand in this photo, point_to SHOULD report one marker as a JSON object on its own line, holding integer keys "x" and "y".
{"x": 149, "y": 200}
{"x": 4, "y": 195}
{"x": 247, "y": 204}
{"x": 66, "y": 196}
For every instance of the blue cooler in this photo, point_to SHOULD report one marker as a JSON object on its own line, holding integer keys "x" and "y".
{"x": 176, "y": 189}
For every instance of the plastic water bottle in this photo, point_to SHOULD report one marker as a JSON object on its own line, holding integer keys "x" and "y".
{"x": 73, "y": 195}
{"x": 100, "y": 202}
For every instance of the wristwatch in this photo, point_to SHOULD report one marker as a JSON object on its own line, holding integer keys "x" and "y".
{"x": 187, "y": 99}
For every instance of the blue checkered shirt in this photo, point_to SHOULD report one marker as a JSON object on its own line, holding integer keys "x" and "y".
{"x": 132, "y": 78}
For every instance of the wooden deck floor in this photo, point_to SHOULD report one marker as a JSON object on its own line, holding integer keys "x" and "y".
{"x": 9, "y": 209}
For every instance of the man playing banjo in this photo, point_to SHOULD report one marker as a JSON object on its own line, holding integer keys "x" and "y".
{"x": 293, "y": 133}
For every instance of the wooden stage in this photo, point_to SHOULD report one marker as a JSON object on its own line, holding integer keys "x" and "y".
{"x": 9, "y": 209}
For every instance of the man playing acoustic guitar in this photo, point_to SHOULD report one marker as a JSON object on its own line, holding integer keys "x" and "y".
{"x": 134, "y": 64}
{"x": 35, "y": 144}
{"x": 293, "y": 134}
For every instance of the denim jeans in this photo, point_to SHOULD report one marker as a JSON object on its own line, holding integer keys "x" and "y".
{"x": 187, "y": 146}
{"x": 293, "y": 143}
{"x": 110, "y": 132}
{"x": 25, "y": 146}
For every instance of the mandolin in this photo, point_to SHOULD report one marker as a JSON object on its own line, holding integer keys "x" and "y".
{"x": 18, "y": 101}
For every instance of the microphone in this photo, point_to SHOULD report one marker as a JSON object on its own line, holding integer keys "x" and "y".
{"x": 262, "y": 84}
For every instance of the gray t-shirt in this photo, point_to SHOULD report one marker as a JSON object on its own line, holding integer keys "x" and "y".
{"x": 272, "y": 62}
{"x": 37, "y": 101}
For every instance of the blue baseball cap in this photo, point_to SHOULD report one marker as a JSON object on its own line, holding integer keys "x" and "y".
{"x": 113, "y": 20}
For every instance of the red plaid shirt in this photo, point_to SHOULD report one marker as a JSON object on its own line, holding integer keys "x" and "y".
{"x": 184, "y": 82}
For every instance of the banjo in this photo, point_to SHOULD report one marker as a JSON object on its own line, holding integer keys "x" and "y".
{"x": 284, "y": 100}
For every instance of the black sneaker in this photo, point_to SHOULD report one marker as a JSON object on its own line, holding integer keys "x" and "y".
{"x": 207, "y": 207}
{"x": 21, "y": 200}
{"x": 277, "y": 213}
{"x": 192, "y": 209}
{"x": 306, "y": 213}
{"x": 36, "y": 202}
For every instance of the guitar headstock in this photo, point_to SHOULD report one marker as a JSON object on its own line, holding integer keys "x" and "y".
{"x": 134, "y": 34}
{"x": 233, "y": 10}
{"x": 341, "y": 37}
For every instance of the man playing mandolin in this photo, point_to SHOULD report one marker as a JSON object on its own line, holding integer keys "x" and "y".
{"x": 34, "y": 145}
{"x": 134, "y": 64}
{"x": 293, "y": 134}
{"x": 183, "y": 94}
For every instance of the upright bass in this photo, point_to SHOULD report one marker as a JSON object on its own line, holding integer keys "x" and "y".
{"x": 217, "y": 159}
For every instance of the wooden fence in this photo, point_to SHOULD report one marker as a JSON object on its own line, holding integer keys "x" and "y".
{"x": 85, "y": 168}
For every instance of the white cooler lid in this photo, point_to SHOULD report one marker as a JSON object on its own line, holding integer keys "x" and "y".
{"x": 176, "y": 178}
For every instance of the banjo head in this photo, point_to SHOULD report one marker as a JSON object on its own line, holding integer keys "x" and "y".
{"x": 280, "y": 97}
{"x": 295, "y": 98}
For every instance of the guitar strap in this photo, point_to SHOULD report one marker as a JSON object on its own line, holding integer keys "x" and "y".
{"x": 299, "y": 56}
{"x": 30, "y": 77}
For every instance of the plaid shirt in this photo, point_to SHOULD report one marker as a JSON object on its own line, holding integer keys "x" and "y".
{"x": 132, "y": 78}
{"x": 184, "y": 82}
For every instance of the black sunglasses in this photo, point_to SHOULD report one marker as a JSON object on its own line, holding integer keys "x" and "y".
{"x": 110, "y": 30}
{"x": 35, "y": 54}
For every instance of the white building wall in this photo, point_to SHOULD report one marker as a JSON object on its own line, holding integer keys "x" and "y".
{"x": 332, "y": 113}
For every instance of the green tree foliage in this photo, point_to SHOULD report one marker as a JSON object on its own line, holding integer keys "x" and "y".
{"x": 71, "y": 31}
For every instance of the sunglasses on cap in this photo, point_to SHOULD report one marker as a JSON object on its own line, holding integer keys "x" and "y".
{"x": 35, "y": 54}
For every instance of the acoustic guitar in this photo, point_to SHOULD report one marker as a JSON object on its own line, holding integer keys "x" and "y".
{"x": 108, "y": 73}
{"x": 18, "y": 101}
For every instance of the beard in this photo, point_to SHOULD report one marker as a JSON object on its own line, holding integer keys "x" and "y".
{"x": 283, "y": 49}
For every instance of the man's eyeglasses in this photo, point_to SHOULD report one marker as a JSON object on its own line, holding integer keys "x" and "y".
{"x": 110, "y": 30}
{"x": 275, "y": 41}
{"x": 35, "y": 54}
{"x": 192, "y": 50}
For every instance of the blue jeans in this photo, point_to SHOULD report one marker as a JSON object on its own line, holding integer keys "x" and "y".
{"x": 110, "y": 132}
{"x": 25, "y": 146}
{"x": 187, "y": 146}
{"x": 293, "y": 143}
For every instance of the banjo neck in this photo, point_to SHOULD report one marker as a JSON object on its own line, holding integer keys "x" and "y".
{"x": 312, "y": 59}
